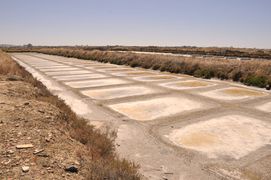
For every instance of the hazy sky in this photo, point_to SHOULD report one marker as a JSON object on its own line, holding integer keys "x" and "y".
{"x": 239, "y": 23}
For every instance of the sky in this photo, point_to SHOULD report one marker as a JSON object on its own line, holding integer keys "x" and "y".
{"x": 223, "y": 23}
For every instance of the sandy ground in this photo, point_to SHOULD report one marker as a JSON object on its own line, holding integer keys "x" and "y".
{"x": 181, "y": 128}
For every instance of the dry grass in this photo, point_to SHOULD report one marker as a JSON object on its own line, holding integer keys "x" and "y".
{"x": 106, "y": 164}
{"x": 9, "y": 67}
{"x": 214, "y": 51}
{"x": 253, "y": 72}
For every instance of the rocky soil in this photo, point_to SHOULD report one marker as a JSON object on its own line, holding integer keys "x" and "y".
{"x": 34, "y": 144}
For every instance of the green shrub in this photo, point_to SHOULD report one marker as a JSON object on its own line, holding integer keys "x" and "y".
{"x": 156, "y": 66}
{"x": 204, "y": 73}
{"x": 237, "y": 76}
{"x": 259, "y": 81}
{"x": 222, "y": 76}
{"x": 134, "y": 64}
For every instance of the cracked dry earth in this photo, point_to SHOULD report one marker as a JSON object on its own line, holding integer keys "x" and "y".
{"x": 34, "y": 144}
{"x": 175, "y": 126}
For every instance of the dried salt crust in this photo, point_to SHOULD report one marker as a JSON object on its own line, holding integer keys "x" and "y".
{"x": 79, "y": 77}
{"x": 96, "y": 83}
{"x": 233, "y": 93}
{"x": 119, "y": 92}
{"x": 154, "y": 108}
{"x": 133, "y": 73}
{"x": 58, "y": 69}
{"x": 188, "y": 84}
{"x": 232, "y": 135}
{"x": 114, "y": 70}
{"x": 156, "y": 78}
{"x": 67, "y": 72}
{"x": 265, "y": 107}
{"x": 51, "y": 67}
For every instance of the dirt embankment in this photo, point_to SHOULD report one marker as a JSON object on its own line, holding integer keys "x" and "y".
{"x": 27, "y": 122}
{"x": 41, "y": 138}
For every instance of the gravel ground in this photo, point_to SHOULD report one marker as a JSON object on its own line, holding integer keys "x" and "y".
{"x": 35, "y": 144}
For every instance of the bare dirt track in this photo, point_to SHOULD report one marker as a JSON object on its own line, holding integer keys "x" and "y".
{"x": 174, "y": 126}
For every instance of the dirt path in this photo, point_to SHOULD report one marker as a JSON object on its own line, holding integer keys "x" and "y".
{"x": 175, "y": 126}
